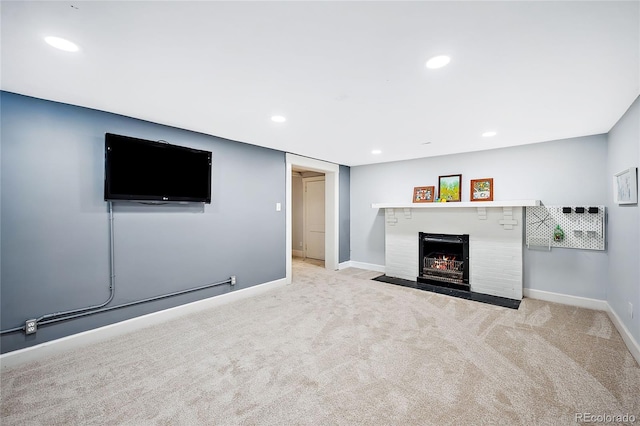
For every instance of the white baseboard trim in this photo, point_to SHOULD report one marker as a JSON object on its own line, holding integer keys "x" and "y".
{"x": 362, "y": 265}
{"x": 631, "y": 343}
{"x": 344, "y": 265}
{"x": 46, "y": 349}
{"x": 297, "y": 253}
{"x": 581, "y": 302}
{"x": 600, "y": 305}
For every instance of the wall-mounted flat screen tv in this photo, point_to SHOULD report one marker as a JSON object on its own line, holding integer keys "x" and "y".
{"x": 143, "y": 170}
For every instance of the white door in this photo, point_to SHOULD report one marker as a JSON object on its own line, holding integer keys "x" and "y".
{"x": 313, "y": 200}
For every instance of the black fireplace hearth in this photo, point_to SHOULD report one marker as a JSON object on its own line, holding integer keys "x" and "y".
{"x": 444, "y": 260}
{"x": 461, "y": 294}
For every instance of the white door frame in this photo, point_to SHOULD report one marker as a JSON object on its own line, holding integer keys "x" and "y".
{"x": 304, "y": 208}
{"x": 331, "y": 208}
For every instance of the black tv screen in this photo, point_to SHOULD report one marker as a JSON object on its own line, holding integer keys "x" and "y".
{"x": 143, "y": 170}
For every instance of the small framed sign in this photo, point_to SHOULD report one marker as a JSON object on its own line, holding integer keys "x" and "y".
{"x": 481, "y": 189}
{"x": 423, "y": 194}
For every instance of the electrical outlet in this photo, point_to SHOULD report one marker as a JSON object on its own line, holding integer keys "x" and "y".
{"x": 630, "y": 310}
{"x": 233, "y": 280}
{"x": 30, "y": 326}
{"x": 300, "y": 243}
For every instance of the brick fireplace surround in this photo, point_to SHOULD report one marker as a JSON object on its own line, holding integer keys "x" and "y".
{"x": 495, "y": 241}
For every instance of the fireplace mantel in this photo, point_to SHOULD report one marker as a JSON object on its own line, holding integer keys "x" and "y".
{"x": 457, "y": 204}
{"x": 495, "y": 240}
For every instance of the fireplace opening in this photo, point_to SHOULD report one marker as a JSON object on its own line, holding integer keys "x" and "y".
{"x": 444, "y": 260}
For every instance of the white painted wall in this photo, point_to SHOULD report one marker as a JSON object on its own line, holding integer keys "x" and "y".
{"x": 570, "y": 171}
{"x": 297, "y": 237}
{"x": 624, "y": 220}
{"x": 314, "y": 216}
{"x": 297, "y": 209}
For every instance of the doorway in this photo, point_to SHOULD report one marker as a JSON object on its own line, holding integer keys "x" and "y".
{"x": 331, "y": 207}
{"x": 313, "y": 217}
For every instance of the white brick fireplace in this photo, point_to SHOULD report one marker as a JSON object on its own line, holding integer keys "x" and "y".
{"x": 495, "y": 241}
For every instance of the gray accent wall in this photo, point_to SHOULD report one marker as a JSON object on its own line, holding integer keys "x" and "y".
{"x": 624, "y": 223}
{"x": 55, "y": 223}
{"x": 564, "y": 172}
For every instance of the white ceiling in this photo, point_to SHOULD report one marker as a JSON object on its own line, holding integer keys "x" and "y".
{"x": 349, "y": 76}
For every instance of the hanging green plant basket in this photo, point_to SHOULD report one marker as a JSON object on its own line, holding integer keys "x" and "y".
{"x": 558, "y": 234}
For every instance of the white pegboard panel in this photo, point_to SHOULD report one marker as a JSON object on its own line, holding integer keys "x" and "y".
{"x": 581, "y": 230}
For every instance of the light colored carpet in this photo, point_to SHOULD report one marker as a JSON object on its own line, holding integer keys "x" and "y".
{"x": 337, "y": 348}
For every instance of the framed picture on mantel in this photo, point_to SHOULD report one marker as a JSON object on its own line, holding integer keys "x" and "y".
{"x": 481, "y": 189}
{"x": 423, "y": 194}
{"x": 450, "y": 187}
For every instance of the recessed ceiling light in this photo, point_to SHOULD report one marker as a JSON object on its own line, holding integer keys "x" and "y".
{"x": 488, "y": 134}
{"x": 438, "y": 61}
{"x": 426, "y": 143}
{"x": 376, "y": 151}
{"x": 278, "y": 119}
{"x": 62, "y": 44}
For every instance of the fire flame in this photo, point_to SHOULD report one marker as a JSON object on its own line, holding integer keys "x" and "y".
{"x": 444, "y": 262}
